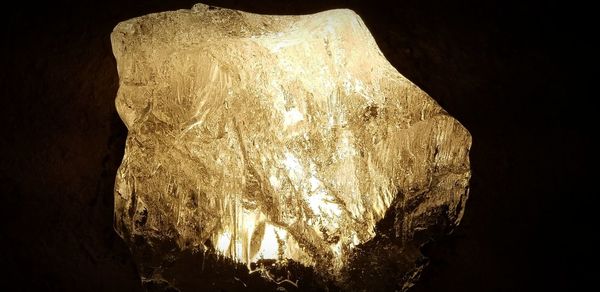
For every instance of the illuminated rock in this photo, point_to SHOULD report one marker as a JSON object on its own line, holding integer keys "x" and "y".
{"x": 277, "y": 137}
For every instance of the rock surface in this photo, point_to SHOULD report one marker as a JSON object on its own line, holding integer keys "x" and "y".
{"x": 279, "y": 138}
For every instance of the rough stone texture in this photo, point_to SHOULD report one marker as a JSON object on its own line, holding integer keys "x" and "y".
{"x": 287, "y": 138}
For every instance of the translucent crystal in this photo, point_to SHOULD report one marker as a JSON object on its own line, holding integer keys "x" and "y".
{"x": 276, "y": 137}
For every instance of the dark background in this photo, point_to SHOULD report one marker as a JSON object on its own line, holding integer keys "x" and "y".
{"x": 512, "y": 72}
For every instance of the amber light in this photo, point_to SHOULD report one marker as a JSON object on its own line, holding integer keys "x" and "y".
{"x": 279, "y": 138}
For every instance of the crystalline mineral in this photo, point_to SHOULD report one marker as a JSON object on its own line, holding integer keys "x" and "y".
{"x": 277, "y": 137}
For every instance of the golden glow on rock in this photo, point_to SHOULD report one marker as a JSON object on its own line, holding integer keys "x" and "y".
{"x": 269, "y": 248}
{"x": 223, "y": 242}
{"x": 276, "y": 137}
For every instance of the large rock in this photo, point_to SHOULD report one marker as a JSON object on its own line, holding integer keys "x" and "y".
{"x": 284, "y": 138}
